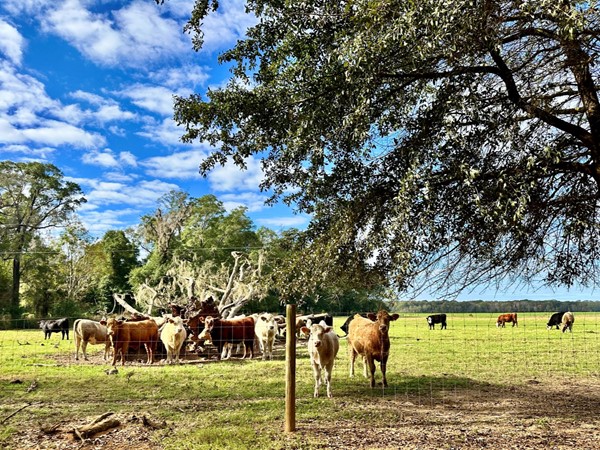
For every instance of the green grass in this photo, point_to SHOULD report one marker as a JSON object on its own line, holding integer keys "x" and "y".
{"x": 240, "y": 404}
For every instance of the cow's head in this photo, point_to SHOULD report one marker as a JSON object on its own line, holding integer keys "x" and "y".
{"x": 498, "y": 323}
{"x": 113, "y": 326}
{"x": 383, "y": 318}
{"x": 209, "y": 322}
{"x": 315, "y": 333}
{"x": 269, "y": 320}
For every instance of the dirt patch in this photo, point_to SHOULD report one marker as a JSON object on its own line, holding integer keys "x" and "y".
{"x": 542, "y": 414}
{"x": 134, "y": 432}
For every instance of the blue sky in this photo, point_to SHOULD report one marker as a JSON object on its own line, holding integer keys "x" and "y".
{"x": 87, "y": 85}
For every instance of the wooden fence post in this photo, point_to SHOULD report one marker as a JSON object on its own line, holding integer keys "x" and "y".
{"x": 290, "y": 372}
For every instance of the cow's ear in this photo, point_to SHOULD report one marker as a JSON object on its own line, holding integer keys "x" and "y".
{"x": 305, "y": 330}
{"x": 103, "y": 322}
{"x": 201, "y": 319}
{"x": 120, "y": 322}
{"x": 263, "y": 318}
{"x": 327, "y": 329}
{"x": 372, "y": 316}
{"x": 394, "y": 316}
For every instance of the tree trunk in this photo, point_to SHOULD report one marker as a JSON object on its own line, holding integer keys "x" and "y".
{"x": 16, "y": 284}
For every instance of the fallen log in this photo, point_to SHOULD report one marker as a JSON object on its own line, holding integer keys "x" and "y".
{"x": 98, "y": 425}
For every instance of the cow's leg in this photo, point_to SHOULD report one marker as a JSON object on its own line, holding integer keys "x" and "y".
{"x": 317, "y": 376}
{"x": 365, "y": 364}
{"x": 77, "y": 345}
{"x": 383, "y": 366}
{"x": 106, "y": 350}
{"x": 369, "y": 360}
{"x": 328, "y": 370}
{"x": 270, "y": 347}
{"x": 84, "y": 349}
{"x": 352, "y": 359}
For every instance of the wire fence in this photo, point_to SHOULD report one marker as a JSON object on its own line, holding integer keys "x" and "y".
{"x": 471, "y": 347}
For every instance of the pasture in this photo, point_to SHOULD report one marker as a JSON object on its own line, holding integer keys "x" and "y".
{"x": 471, "y": 386}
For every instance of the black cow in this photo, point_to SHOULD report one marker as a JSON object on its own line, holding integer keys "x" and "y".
{"x": 347, "y": 323}
{"x": 316, "y": 318}
{"x": 436, "y": 318}
{"x": 555, "y": 320}
{"x": 55, "y": 326}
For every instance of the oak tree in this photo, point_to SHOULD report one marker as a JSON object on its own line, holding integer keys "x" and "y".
{"x": 438, "y": 143}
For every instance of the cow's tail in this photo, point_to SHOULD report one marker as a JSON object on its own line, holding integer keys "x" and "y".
{"x": 75, "y": 334}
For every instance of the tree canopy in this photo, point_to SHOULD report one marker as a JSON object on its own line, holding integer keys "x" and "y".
{"x": 438, "y": 143}
{"x": 33, "y": 197}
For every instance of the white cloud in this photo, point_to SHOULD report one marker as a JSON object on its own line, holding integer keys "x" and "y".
{"x": 142, "y": 194}
{"x": 128, "y": 159}
{"x": 28, "y": 115}
{"x": 251, "y": 200}
{"x": 224, "y": 27}
{"x": 166, "y": 132}
{"x": 107, "y": 158}
{"x": 181, "y": 165}
{"x": 187, "y": 76}
{"x": 133, "y": 36}
{"x": 11, "y": 43}
{"x": 230, "y": 178}
{"x": 156, "y": 99}
{"x": 98, "y": 222}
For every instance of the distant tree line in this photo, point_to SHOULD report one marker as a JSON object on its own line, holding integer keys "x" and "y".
{"x": 483, "y": 306}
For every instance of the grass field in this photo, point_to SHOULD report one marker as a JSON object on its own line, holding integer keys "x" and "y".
{"x": 470, "y": 386}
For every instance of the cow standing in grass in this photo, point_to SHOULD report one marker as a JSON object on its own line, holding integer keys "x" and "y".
{"x": 567, "y": 321}
{"x": 135, "y": 334}
{"x": 55, "y": 326}
{"x": 323, "y": 345}
{"x": 90, "y": 332}
{"x": 173, "y": 335}
{"x": 504, "y": 318}
{"x": 369, "y": 338}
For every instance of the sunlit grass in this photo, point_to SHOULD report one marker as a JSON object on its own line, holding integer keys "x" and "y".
{"x": 240, "y": 404}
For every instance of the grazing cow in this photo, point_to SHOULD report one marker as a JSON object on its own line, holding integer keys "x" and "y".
{"x": 555, "y": 320}
{"x": 369, "y": 338}
{"x": 265, "y": 329}
{"x": 323, "y": 346}
{"x": 92, "y": 332}
{"x": 173, "y": 335}
{"x": 233, "y": 331}
{"x": 135, "y": 334}
{"x": 347, "y": 323}
{"x": 567, "y": 321}
{"x": 504, "y": 318}
{"x": 436, "y": 318}
{"x": 55, "y": 326}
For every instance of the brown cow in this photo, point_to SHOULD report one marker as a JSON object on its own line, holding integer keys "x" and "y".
{"x": 503, "y": 318}
{"x": 369, "y": 338}
{"x": 135, "y": 334}
{"x": 231, "y": 331}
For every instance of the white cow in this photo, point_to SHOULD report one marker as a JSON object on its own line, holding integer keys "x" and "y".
{"x": 323, "y": 345}
{"x": 265, "y": 329}
{"x": 89, "y": 331}
{"x": 173, "y": 335}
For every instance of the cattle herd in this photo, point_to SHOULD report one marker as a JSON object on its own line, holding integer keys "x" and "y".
{"x": 199, "y": 323}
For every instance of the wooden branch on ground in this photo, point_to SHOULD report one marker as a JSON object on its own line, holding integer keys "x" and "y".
{"x": 98, "y": 425}
{"x": 18, "y": 411}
